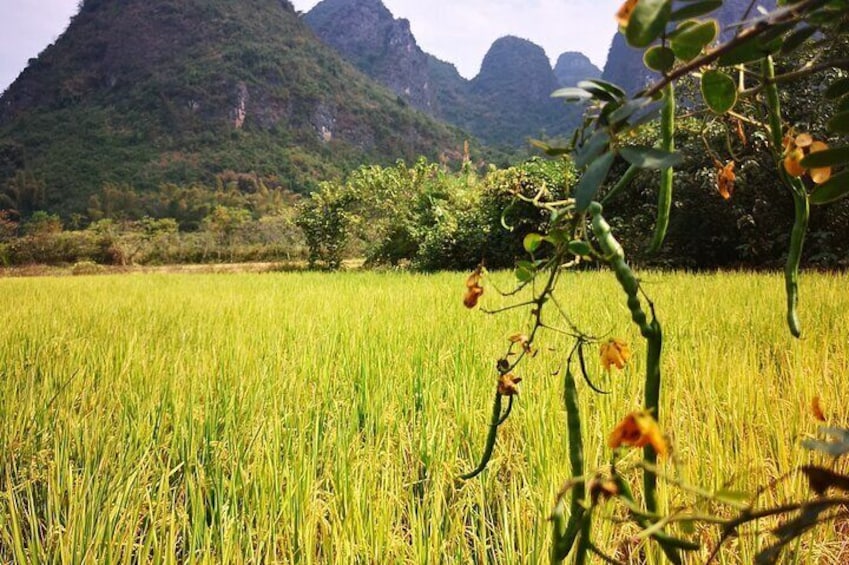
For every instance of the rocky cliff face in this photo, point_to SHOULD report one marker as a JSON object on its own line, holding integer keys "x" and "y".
{"x": 506, "y": 103}
{"x": 625, "y": 64}
{"x": 573, "y": 67}
{"x": 378, "y": 44}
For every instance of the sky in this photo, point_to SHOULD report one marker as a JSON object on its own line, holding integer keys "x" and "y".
{"x": 456, "y": 31}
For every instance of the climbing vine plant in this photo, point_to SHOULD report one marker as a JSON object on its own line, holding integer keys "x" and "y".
{"x": 738, "y": 85}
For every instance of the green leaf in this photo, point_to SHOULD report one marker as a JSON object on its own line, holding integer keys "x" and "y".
{"x": 647, "y": 21}
{"x": 607, "y": 87}
{"x": 607, "y": 109}
{"x": 695, "y": 9}
{"x": 556, "y": 236}
{"x": 689, "y": 43}
{"x": 627, "y": 109}
{"x": 596, "y": 91}
{"x": 796, "y": 39}
{"x": 580, "y": 248}
{"x": 572, "y": 94}
{"x": 591, "y": 181}
{"x": 827, "y": 157}
{"x": 659, "y": 58}
{"x": 837, "y": 89}
{"x": 833, "y": 189}
{"x": 594, "y": 146}
{"x": 843, "y": 105}
{"x": 532, "y": 242}
{"x": 523, "y": 275}
{"x": 548, "y": 149}
{"x": 527, "y": 265}
{"x": 748, "y": 51}
{"x": 839, "y": 123}
{"x": 650, "y": 157}
{"x": 719, "y": 91}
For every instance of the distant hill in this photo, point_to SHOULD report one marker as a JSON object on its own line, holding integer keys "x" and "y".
{"x": 573, "y": 67}
{"x": 141, "y": 93}
{"x": 504, "y": 105}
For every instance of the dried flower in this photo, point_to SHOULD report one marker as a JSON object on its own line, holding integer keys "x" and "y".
{"x": 725, "y": 178}
{"x": 474, "y": 290}
{"x": 639, "y": 429}
{"x": 508, "y": 384}
{"x": 816, "y": 409}
{"x": 614, "y": 352}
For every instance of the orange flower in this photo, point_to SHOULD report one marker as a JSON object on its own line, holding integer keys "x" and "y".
{"x": 625, "y": 11}
{"x": 614, "y": 352}
{"x": 795, "y": 149}
{"x": 508, "y": 384}
{"x": 639, "y": 429}
{"x": 725, "y": 178}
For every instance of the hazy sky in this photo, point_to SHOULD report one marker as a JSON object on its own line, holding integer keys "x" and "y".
{"x": 457, "y": 31}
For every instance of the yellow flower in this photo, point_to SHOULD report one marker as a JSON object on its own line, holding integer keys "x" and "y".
{"x": 614, "y": 352}
{"x": 639, "y": 429}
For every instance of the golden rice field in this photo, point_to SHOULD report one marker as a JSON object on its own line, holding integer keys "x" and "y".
{"x": 324, "y": 418}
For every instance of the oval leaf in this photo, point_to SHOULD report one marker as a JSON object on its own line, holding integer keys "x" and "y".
{"x": 532, "y": 242}
{"x": 659, "y": 58}
{"x": 523, "y": 275}
{"x": 591, "y": 181}
{"x": 650, "y": 157}
{"x": 833, "y": 189}
{"x": 719, "y": 91}
{"x": 695, "y": 9}
{"x": 689, "y": 43}
{"x": 647, "y": 21}
{"x": 580, "y": 248}
{"x": 572, "y": 94}
{"x": 839, "y": 123}
{"x": 608, "y": 86}
{"x": 827, "y": 158}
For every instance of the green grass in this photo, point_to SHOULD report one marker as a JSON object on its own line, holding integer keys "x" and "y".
{"x": 314, "y": 418}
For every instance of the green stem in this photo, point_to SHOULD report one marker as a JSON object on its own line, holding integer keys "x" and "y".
{"x": 801, "y": 203}
{"x": 565, "y": 534}
{"x": 652, "y": 400}
{"x": 667, "y": 143}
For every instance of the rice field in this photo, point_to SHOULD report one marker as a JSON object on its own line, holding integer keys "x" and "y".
{"x": 324, "y": 418}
